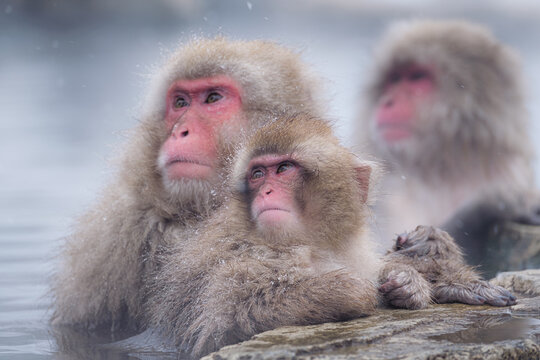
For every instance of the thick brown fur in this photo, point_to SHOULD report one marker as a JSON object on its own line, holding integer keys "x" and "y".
{"x": 434, "y": 255}
{"x": 231, "y": 282}
{"x": 112, "y": 251}
{"x": 469, "y": 145}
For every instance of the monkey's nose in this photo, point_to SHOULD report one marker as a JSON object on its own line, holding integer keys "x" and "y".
{"x": 179, "y": 130}
{"x": 389, "y": 102}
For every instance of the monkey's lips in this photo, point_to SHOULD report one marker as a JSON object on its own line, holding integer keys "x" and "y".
{"x": 394, "y": 130}
{"x": 190, "y": 168}
{"x": 273, "y": 215}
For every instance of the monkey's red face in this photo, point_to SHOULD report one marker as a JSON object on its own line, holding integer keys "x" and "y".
{"x": 196, "y": 112}
{"x": 404, "y": 91}
{"x": 273, "y": 181}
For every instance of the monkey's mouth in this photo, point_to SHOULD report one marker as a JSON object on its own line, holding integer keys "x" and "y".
{"x": 185, "y": 161}
{"x": 393, "y": 125}
{"x": 272, "y": 209}
{"x": 187, "y": 168}
{"x": 393, "y": 131}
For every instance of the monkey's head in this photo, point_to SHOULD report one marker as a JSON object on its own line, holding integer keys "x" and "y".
{"x": 444, "y": 87}
{"x": 298, "y": 185}
{"x": 206, "y": 97}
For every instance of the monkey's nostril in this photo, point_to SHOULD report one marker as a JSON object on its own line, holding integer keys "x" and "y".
{"x": 184, "y": 133}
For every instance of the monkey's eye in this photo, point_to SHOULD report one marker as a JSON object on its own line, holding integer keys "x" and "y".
{"x": 418, "y": 75}
{"x": 284, "y": 167}
{"x": 180, "y": 102}
{"x": 394, "y": 78}
{"x": 256, "y": 174}
{"x": 213, "y": 97}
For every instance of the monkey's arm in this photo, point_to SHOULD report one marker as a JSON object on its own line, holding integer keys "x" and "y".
{"x": 98, "y": 284}
{"x": 402, "y": 285}
{"x": 463, "y": 284}
{"x": 246, "y": 297}
{"x": 437, "y": 257}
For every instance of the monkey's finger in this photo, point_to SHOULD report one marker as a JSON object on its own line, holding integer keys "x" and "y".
{"x": 498, "y": 301}
{"x": 460, "y": 294}
{"x": 408, "y": 300}
{"x": 473, "y": 299}
{"x": 501, "y": 300}
{"x": 506, "y": 294}
{"x": 389, "y": 285}
{"x": 496, "y": 295}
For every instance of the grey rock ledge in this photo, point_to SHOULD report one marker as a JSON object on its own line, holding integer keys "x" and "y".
{"x": 452, "y": 331}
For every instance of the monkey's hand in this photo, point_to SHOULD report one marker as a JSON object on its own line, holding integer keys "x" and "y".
{"x": 427, "y": 241}
{"x": 405, "y": 288}
{"x": 476, "y": 292}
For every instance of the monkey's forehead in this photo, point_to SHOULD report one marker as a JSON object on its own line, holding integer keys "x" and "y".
{"x": 270, "y": 75}
{"x": 440, "y": 42}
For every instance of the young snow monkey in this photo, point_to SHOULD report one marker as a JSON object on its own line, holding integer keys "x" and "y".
{"x": 445, "y": 109}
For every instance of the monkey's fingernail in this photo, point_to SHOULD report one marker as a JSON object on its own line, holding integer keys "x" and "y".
{"x": 509, "y": 300}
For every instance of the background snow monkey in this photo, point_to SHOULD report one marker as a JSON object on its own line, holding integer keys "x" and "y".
{"x": 445, "y": 110}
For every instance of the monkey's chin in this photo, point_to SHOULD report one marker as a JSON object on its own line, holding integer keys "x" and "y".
{"x": 193, "y": 193}
{"x": 188, "y": 170}
{"x": 279, "y": 233}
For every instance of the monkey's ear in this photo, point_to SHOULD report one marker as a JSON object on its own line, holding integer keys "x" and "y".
{"x": 363, "y": 174}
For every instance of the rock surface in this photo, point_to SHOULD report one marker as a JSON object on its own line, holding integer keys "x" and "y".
{"x": 451, "y": 331}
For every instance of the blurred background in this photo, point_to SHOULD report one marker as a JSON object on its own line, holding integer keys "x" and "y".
{"x": 73, "y": 74}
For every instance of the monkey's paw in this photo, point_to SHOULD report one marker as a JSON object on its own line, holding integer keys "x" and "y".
{"x": 475, "y": 293}
{"x": 406, "y": 289}
{"x": 429, "y": 242}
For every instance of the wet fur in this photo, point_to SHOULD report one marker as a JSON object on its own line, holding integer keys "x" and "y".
{"x": 232, "y": 282}
{"x": 438, "y": 259}
{"x": 115, "y": 246}
{"x": 470, "y": 146}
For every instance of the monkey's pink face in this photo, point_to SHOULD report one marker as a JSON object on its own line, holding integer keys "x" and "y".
{"x": 404, "y": 91}
{"x": 272, "y": 181}
{"x": 196, "y": 111}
